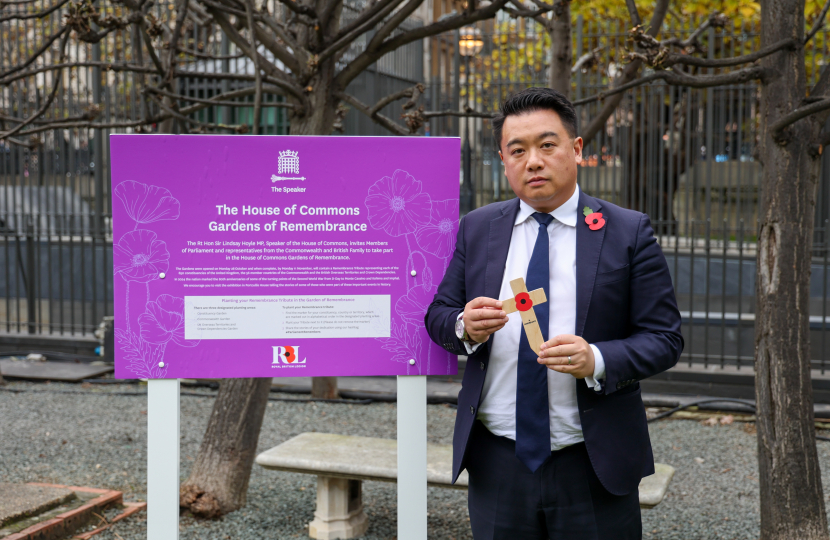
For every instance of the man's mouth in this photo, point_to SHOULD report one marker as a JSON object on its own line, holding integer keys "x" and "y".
{"x": 537, "y": 181}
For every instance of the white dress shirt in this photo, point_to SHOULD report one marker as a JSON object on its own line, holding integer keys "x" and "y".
{"x": 498, "y": 403}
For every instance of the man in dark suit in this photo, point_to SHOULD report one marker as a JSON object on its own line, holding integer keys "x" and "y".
{"x": 555, "y": 443}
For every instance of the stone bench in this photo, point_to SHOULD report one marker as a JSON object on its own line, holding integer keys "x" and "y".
{"x": 343, "y": 462}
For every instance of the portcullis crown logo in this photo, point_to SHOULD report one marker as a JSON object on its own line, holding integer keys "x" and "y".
{"x": 287, "y": 355}
{"x": 288, "y": 163}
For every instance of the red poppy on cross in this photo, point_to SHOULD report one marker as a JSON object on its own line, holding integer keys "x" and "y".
{"x": 523, "y": 302}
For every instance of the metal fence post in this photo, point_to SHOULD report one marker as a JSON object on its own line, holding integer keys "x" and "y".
{"x": 31, "y": 275}
{"x": 467, "y": 195}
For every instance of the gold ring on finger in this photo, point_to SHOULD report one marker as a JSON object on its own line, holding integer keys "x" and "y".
{"x": 569, "y": 360}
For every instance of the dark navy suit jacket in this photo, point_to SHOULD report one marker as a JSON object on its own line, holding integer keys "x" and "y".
{"x": 625, "y": 305}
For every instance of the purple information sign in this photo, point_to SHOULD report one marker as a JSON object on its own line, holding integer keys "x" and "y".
{"x": 279, "y": 256}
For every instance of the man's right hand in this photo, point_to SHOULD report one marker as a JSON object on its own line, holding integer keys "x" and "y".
{"x": 482, "y": 317}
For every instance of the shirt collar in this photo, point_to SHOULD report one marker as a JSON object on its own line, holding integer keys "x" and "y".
{"x": 566, "y": 213}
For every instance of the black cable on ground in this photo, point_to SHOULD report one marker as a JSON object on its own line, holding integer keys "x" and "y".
{"x": 309, "y": 400}
{"x": 54, "y": 355}
{"x": 80, "y": 393}
{"x": 701, "y": 402}
{"x": 189, "y": 394}
{"x": 749, "y": 404}
{"x": 111, "y": 381}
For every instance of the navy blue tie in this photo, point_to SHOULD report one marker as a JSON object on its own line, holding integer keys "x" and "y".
{"x": 532, "y": 417}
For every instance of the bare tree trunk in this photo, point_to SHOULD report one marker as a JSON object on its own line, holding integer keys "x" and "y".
{"x": 218, "y": 482}
{"x": 560, "y": 44}
{"x": 324, "y": 387}
{"x": 321, "y": 114}
{"x": 792, "y": 503}
{"x": 320, "y": 121}
{"x": 167, "y": 126}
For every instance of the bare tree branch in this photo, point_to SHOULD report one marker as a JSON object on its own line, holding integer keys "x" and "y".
{"x": 281, "y": 33}
{"x": 716, "y": 20}
{"x": 220, "y": 99}
{"x": 48, "y": 103}
{"x": 181, "y": 17}
{"x": 633, "y": 13}
{"x": 822, "y": 86}
{"x": 281, "y": 78}
{"x": 199, "y": 15}
{"x": 91, "y": 125}
{"x": 522, "y": 11}
{"x": 819, "y": 23}
{"x": 86, "y": 121}
{"x": 300, "y": 9}
{"x": 80, "y": 17}
{"x": 368, "y": 57}
{"x": 249, "y": 8}
{"x": 369, "y": 12}
{"x": 685, "y": 59}
{"x": 138, "y": 57}
{"x": 197, "y": 54}
{"x": 393, "y": 23}
{"x": 292, "y": 60}
{"x": 676, "y": 78}
{"x": 330, "y": 7}
{"x": 36, "y": 15}
{"x": 459, "y": 114}
{"x": 151, "y": 50}
{"x": 16, "y": 2}
{"x": 43, "y": 48}
{"x": 240, "y": 128}
{"x": 587, "y": 58}
{"x": 544, "y": 5}
{"x": 778, "y": 127}
{"x": 629, "y": 73}
{"x": 345, "y": 37}
{"x": 378, "y": 118}
{"x": 412, "y": 92}
{"x": 105, "y": 66}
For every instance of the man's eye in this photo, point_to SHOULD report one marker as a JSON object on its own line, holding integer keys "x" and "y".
{"x": 547, "y": 145}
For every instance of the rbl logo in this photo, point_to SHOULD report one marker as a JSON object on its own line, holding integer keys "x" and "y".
{"x": 287, "y": 355}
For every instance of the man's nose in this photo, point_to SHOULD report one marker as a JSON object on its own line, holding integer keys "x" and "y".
{"x": 534, "y": 161}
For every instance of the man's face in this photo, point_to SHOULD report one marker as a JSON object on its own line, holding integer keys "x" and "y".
{"x": 540, "y": 158}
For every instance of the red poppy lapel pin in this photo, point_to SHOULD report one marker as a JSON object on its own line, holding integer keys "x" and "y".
{"x": 594, "y": 220}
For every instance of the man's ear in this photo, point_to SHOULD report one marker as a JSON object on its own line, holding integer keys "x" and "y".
{"x": 501, "y": 157}
{"x": 578, "y": 149}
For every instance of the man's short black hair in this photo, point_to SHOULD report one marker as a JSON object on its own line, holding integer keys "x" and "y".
{"x": 535, "y": 99}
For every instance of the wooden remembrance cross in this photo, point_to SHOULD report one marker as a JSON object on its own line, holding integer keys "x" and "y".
{"x": 523, "y": 302}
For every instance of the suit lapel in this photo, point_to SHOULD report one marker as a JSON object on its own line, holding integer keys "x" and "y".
{"x": 588, "y": 247}
{"x": 498, "y": 245}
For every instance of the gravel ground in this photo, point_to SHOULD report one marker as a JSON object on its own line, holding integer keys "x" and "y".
{"x": 47, "y": 434}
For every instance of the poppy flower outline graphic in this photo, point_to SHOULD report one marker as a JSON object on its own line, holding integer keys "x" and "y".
{"x": 438, "y": 237}
{"x": 140, "y": 256}
{"x": 412, "y": 306}
{"x": 397, "y": 205}
{"x": 146, "y": 203}
{"x": 595, "y": 221}
{"x": 290, "y": 355}
{"x": 163, "y": 321}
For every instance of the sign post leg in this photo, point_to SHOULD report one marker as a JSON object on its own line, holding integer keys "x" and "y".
{"x": 163, "y": 459}
{"x": 412, "y": 457}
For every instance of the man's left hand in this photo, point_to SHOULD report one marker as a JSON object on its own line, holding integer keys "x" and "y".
{"x": 555, "y": 353}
